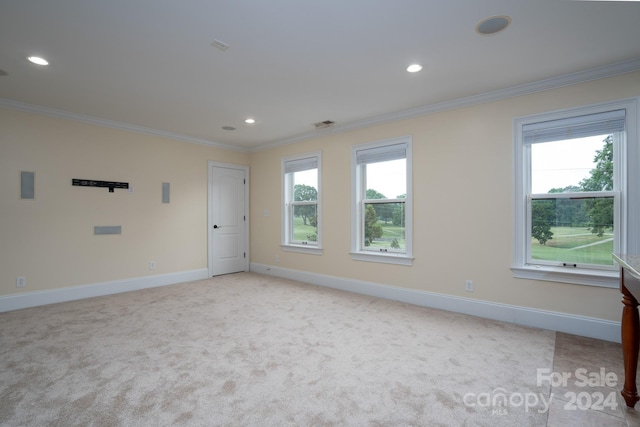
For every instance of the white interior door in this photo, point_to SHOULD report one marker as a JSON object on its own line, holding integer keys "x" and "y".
{"x": 227, "y": 220}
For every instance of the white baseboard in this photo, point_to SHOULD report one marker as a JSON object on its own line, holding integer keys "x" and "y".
{"x": 37, "y": 298}
{"x": 561, "y": 322}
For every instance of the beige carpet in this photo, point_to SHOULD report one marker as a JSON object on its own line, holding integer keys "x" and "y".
{"x": 252, "y": 350}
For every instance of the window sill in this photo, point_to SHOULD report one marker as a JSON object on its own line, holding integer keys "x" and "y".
{"x": 603, "y": 279}
{"x": 302, "y": 249}
{"x": 386, "y": 258}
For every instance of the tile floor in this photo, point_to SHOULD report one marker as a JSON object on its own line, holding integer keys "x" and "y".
{"x": 593, "y": 358}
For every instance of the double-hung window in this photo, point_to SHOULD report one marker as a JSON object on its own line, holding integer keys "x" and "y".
{"x": 381, "y": 224}
{"x": 572, "y": 193}
{"x": 301, "y": 228}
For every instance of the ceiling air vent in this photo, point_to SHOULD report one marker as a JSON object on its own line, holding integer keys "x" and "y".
{"x": 324, "y": 125}
{"x": 219, "y": 44}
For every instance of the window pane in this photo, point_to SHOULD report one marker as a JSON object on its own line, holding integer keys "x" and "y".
{"x": 304, "y": 227}
{"x": 561, "y": 166}
{"x": 387, "y": 179}
{"x": 572, "y": 231}
{"x": 305, "y": 185}
{"x": 384, "y": 227}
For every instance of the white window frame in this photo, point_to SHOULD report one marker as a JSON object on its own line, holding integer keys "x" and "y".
{"x": 627, "y": 194}
{"x": 314, "y": 248}
{"x": 358, "y": 195}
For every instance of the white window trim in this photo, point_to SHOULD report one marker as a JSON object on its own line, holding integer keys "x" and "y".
{"x": 629, "y": 193}
{"x": 357, "y": 253}
{"x": 285, "y": 244}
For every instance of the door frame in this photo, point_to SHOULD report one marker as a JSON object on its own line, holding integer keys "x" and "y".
{"x": 245, "y": 169}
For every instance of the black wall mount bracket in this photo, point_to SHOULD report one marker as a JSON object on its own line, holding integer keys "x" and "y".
{"x": 111, "y": 185}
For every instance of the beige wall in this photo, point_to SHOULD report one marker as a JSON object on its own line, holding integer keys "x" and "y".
{"x": 463, "y": 204}
{"x": 50, "y": 240}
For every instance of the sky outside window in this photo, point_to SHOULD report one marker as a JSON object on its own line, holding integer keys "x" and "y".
{"x": 559, "y": 164}
{"x": 388, "y": 178}
{"x": 308, "y": 177}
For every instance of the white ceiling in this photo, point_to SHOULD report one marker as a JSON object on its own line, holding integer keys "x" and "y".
{"x": 149, "y": 64}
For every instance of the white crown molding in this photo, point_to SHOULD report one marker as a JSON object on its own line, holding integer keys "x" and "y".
{"x": 483, "y": 98}
{"x": 71, "y": 293}
{"x": 61, "y": 114}
{"x": 543, "y": 319}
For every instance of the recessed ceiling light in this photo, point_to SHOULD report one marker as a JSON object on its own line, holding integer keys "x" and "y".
{"x": 228, "y": 128}
{"x": 414, "y": 68}
{"x": 493, "y": 25}
{"x": 38, "y": 60}
{"x": 250, "y": 121}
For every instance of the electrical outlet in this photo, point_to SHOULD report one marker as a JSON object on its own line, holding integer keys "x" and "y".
{"x": 21, "y": 282}
{"x": 276, "y": 258}
{"x": 152, "y": 265}
{"x": 468, "y": 285}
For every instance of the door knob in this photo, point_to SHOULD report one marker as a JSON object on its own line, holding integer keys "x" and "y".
{"x": 215, "y": 226}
